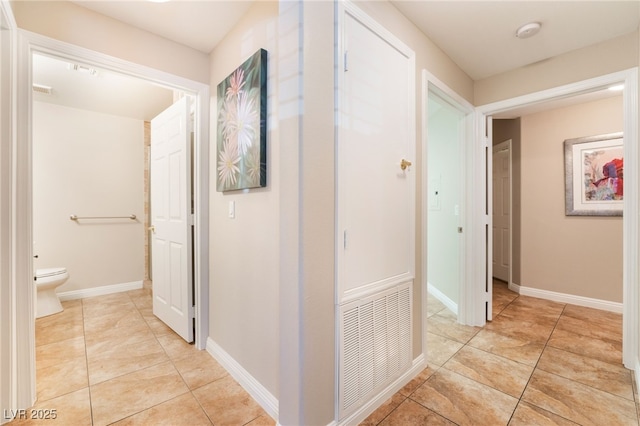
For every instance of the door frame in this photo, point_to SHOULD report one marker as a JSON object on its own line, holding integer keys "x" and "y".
{"x": 11, "y": 366}
{"x": 509, "y": 144}
{"x": 631, "y": 222}
{"x": 28, "y": 44}
{"x": 466, "y": 307}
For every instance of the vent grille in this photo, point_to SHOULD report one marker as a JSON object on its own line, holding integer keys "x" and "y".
{"x": 39, "y": 88}
{"x": 375, "y": 345}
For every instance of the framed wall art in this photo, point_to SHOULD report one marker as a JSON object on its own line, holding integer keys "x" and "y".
{"x": 594, "y": 175}
{"x": 241, "y": 140}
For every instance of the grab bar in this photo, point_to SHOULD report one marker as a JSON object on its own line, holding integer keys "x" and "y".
{"x": 74, "y": 217}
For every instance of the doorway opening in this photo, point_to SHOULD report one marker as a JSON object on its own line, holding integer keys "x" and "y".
{"x": 541, "y": 101}
{"x": 91, "y": 139}
{"x": 445, "y": 195}
{"x": 447, "y": 127}
{"x": 30, "y": 44}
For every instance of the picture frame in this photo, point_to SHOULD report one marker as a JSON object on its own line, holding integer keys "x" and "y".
{"x": 241, "y": 137}
{"x": 594, "y": 175}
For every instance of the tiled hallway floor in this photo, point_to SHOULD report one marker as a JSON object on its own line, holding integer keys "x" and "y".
{"x": 537, "y": 363}
{"x": 109, "y": 360}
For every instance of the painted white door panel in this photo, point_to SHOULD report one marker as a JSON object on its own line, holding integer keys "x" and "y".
{"x": 375, "y": 196}
{"x": 170, "y": 218}
{"x": 501, "y": 211}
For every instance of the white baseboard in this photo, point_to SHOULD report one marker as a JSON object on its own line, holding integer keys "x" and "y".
{"x": 258, "y": 392}
{"x": 588, "y": 302}
{"x": 446, "y": 301}
{"x": 99, "y": 291}
{"x": 419, "y": 364}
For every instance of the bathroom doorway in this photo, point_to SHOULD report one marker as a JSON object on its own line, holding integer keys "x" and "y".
{"x": 34, "y": 44}
{"x": 91, "y": 141}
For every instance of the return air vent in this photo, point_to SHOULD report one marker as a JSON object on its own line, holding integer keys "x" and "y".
{"x": 39, "y": 88}
{"x": 375, "y": 345}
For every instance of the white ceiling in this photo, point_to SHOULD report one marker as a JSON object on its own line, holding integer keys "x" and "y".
{"x": 478, "y": 35}
{"x": 106, "y": 92}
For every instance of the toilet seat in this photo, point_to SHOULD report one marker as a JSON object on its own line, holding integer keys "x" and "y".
{"x": 50, "y": 272}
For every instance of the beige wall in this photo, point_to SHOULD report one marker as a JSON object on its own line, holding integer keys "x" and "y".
{"x": 88, "y": 164}
{"x": 567, "y": 254}
{"x": 245, "y": 251}
{"x": 68, "y": 22}
{"x": 600, "y": 59}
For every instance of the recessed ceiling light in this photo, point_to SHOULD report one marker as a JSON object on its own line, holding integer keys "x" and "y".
{"x": 528, "y": 30}
{"x": 617, "y": 87}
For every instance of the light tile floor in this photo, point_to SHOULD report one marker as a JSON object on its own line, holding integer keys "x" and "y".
{"x": 537, "y": 363}
{"x": 109, "y": 360}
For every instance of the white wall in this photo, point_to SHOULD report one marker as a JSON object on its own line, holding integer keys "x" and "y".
{"x": 88, "y": 164}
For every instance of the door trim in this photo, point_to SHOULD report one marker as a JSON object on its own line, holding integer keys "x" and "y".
{"x": 30, "y": 43}
{"x": 631, "y": 236}
{"x": 9, "y": 372}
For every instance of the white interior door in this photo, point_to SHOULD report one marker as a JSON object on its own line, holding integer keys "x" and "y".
{"x": 501, "y": 210}
{"x": 376, "y": 213}
{"x": 171, "y": 219}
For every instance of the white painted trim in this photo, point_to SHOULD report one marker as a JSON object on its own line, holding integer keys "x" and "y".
{"x": 99, "y": 291}
{"x": 23, "y": 284}
{"x": 513, "y": 287}
{"x": 571, "y": 299}
{"x": 9, "y": 376}
{"x": 631, "y": 237}
{"x": 23, "y": 235}
{"x": 419, "y": 364}
{"x": 249, "y": 383}
{"x": 443, "y": 298}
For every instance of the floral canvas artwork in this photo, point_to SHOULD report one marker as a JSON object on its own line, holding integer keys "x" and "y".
{"x": 241, "y": 127}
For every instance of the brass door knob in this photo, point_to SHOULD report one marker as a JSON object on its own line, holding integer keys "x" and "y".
{"x": 404, "y": 164}
{"x": 152, "y": 228}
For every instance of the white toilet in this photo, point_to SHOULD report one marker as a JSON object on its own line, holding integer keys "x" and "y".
{"x": 47, "y": 281}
